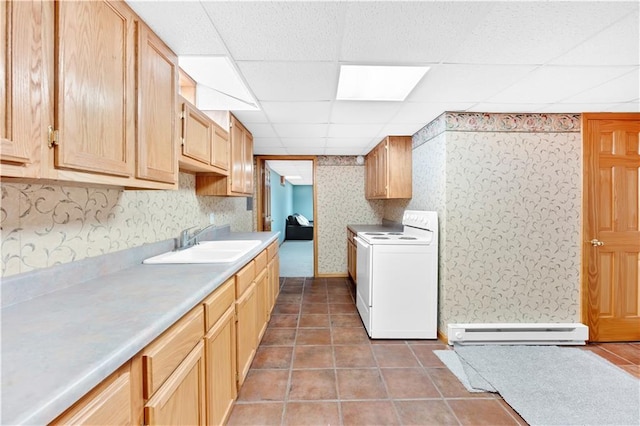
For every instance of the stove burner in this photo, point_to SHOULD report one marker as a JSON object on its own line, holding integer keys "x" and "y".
{"x": 381, "y": 238}
{"x": 394, "y": 233}
{"x": 407, "y": 238}
{"x": 373, "y": 233}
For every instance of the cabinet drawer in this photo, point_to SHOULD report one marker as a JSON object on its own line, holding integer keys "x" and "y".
{"x": 163, "y": 356}
{"x": 218, "y": 303}
{"x": 272, "y": 250}
{"x": 244, "y": 278}
{"x": 108, "y": 403}
{"x": 261, "y": 261}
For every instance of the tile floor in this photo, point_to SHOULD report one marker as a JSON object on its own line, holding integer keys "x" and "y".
{"x": 316, "y": 365}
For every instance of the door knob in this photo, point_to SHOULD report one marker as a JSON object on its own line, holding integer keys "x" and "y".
{"x": 596, "y": 243}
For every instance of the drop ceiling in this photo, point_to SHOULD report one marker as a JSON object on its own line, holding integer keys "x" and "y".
{"x": 539, "y": 56}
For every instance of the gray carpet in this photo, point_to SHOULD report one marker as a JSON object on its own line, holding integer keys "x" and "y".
{"x": 296, "y": 258}
{"x": 549, "y": 385}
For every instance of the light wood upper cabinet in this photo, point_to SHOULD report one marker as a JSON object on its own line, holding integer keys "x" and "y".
{"x": 196, "y": 134}
{"x": 388, "y": 169}
{"x": 205, "y": 145}
{"x": 157, "y": 102}
{"x": 240, "y": 179}
{"x": 24, "y": 107}
{"x": 220, "y": 149}
{"x": 95, "y": 86}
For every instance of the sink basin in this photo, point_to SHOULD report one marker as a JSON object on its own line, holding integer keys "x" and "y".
{"x": 221, "y": 251}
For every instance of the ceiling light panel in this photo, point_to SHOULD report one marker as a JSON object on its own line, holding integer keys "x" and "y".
{"x": 291, "y": 81}
{"x": 378, "y": 83}
{"x": 407, "y": 32}
{"x": 297, "y": 112}
{"x": 536, "y": 32}
{"x": 279, "y": 31}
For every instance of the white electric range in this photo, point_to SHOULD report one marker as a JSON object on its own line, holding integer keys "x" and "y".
{"x": 397, "y": 279}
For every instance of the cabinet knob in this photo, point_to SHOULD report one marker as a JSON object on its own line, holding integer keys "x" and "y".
{"x": 596, "y": 243}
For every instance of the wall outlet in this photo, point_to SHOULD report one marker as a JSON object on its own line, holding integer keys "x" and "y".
{"x": 212, "y": 218}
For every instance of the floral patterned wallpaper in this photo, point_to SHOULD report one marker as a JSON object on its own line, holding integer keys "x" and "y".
{"x": 507, "y": 189}
{"x": 341, "y": 202}
{"x": 43, "y": 225}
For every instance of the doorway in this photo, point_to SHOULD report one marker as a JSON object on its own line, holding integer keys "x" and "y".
{"x": 611, "y": 227}
{"x": 286, "y": 202}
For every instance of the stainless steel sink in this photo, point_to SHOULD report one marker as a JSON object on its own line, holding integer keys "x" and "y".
{"x": 220, "y": 251}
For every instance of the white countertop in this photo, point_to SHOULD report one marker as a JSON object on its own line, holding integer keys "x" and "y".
{"x": 58, "y": 346}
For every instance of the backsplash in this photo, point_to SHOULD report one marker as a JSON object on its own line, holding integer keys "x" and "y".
{"x": 44, "y": 225}
{"x": 507, "y": 188}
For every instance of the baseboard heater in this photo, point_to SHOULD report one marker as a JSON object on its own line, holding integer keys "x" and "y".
{"x": 518, "y": 334}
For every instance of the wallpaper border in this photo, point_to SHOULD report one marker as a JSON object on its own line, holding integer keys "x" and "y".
{"x": 338, "y": 160}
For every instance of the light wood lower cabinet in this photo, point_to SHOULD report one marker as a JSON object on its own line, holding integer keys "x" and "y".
{"x": 351, "y": 254}
{"x": 109, "y": 403}
{"x": 191, "y": 374}
{"x": 246, "y": 311}
{"x": 181, "y": 399}
{"x": 220, "y": 355}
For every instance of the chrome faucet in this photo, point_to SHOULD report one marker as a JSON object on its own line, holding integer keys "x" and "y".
{"x": 187, "y": 240}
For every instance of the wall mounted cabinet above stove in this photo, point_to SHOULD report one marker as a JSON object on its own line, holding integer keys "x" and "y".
{"x": 388, "y": 169}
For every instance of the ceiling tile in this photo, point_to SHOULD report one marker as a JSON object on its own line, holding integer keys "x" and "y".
{"x": 348, "y": 142}
{"x": 344, "y": 151}
{"x": 600, "y": 50}
{"x": 550, "y": 84}
{"x": 574, "y": 108}
{"x": 407, "y": 32}
{"x": 425, "y": 112}
{"x": 297, "y": 112}
{"x": 291, "y": 81}
{"x": 301, "y": 130}
{"x": 535, "y": 32}
{"x": 622, "y": 89}
{"x": 625, "y": 107}
{"x": 353, "y": 130}
{"x": 183, "y": 26}
{"x": 401, "y": 129}
{"x": 279, "y": 31}
{"x": 303, "y": 142}
{"x": 305, "y": 150}
{"x": 261, "y": 130}
{"x": 363, "y": 112}
{"x": 270, "y": 150}
{"x": 266, "y": 141}
{"x": 508, "y": 107}
{"x": 466, "y": 83}
{"x": 251, "y": 116}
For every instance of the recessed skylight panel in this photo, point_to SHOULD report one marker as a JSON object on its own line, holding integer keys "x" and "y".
{"x": 378, "y": 83}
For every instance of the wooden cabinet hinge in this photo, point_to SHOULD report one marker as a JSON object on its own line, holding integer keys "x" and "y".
{"x": 53, "y": 137}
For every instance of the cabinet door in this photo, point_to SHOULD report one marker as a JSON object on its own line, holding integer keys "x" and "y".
{"x": 220, "y": 148}
{"x": 381, "y": 170}
{"x": 263, "y": 302}
{"x": 95, "y": 87}
{"x": 246, "y": 308}
{"x": 237, "y": 157}
{"x": 220, "y": 355}
{"x": 23, "y": 99}
{"x": 157, "y": 92}
{"x": 196, "y": 134}
{"x": 247, "y": 163}
{"x": 274, "y": 281}
{"x": 181, "y": 399}
{"x": 107, "y": 404}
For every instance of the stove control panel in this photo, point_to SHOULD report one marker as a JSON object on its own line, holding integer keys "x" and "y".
{"x": 420, "y": 219}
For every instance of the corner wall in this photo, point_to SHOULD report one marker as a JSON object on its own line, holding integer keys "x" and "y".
{"x": 509, "y": 214}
